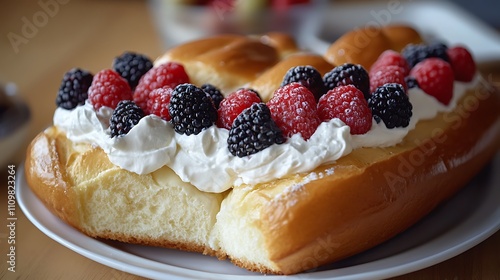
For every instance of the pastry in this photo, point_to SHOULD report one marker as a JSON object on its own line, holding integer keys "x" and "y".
{"x": 305, "y": 198}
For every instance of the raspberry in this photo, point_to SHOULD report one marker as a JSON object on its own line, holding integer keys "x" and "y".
{"x": 169, "y": 74}
{"x": 462, "y": 63}
{"x": 108, "y": 88}
{"x": 348, "y": 74}
{"x": 73, "y": 90}
{"x": 132, "y": 66}
{"x": 414, "y": 53}
{"x": 293, "y": 108}
{"x": 234, "y": 104}
{"x": 158, "y": 101}
{"x": 191, "y": 109}
{"x": 435, "y": 77}
{"x": 126, "y": 115}
{"x": 307, "y": 76}
{"x": 214, "y": 93}
{"x": 349, "y": 105}
{"x": 390, "y": 104}
{"x": 390, "y": 58}
{"x": 385, "y": 75}
{"x": 253, "y": 131}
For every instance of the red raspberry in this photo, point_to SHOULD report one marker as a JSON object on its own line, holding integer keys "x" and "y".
{"x": 107, "y": 89}
{"x": 393, "y": 58}
{"x": 231, "y": 106}
{"x": 435, "y": 77}
{"x": 386, "y": 75}
{"x": 168, "y": 74}
{"x": 462, "y": 63}
{"x": 348, "y": 104}
{"x": 158, "y": 101}
{"x": 293, "y": 108}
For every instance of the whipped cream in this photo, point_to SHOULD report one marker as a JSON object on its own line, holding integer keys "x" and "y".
{"x": 204, "y": 159}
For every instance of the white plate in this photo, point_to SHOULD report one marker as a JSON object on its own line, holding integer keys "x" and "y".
{"x": 433, "y": 19}
{"x": 463, "y": 222}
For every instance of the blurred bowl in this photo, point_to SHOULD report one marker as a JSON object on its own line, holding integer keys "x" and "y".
{"x": 15, "y": 118}
{"x": 178, "y": 23}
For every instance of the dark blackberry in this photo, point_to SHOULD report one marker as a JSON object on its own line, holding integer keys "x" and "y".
{"x": 253, "y": 131}
{"x": 214, "y": 93}
{"x": 390, "y": 104}
{"x": 191, "y": 109}
{"x": 348, "y": 74}
{"x": 411, "y": 82}
{"x": 125, "y": 116}
{"x": 73, "y": 90}
{"x": 414, "y": 53}
{"x": 132, "y": 66}
{"x": 307, "y": 76}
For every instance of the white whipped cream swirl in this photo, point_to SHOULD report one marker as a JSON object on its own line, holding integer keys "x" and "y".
{"x": 204, "y": 159}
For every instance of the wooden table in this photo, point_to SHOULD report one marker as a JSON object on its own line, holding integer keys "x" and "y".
{"x": 89, "y": 34}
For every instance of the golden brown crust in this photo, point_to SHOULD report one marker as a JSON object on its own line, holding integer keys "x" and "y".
{"x": 376, "y": 193}
{"x": 46, "y": 177}
{"x": 236, "y": 59}
{"x": 364, "y": 45}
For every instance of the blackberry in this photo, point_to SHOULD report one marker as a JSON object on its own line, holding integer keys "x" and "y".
{"x": 253, "y": 131}
{"x": 132, "y": 66}
{"x": 191, "y": 109}
{"x": 125, "y": 116}
{"x": 307, "y": 76}
{"x": 348, "y": 74}
{"x": 73, "y": 90}
{"x": 214, "y": 93}
{"x": 390, "y": 104}
{"x": 411, "y": 82}
{"x": 414, "y": 53}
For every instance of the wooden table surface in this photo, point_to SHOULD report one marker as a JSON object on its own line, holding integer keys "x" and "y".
{"x": 89, "y": 34}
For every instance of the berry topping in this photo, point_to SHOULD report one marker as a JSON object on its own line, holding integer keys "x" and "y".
{"x": 126, "y": 115}
{"x": 74, "y": 88}
{"x": 435, "y": 77}
{"x": 390, "y": 104}
{"x": 348, "y": 74}
{"x": 158, "y": 101}
{"x": 307, "y": 76}
{"x": 169, "y": 74}
{"x": 349, "y": 105}
{"x": 132, "y": 67}
{"x": 108, "y": 88}
{"x": 385, "y": 75}
{"x": 214, "y": 93}
{"x": 462, "y": 63}
{"x": 253, "y": 131}
{"x": 231, "y": 106}
{"x": 390, "y": 58}
{"x": 414, "y": 53}
{"x": 191, "y": 109}
{"x": 411, "y": 82}
{"x": 293, "y": 108}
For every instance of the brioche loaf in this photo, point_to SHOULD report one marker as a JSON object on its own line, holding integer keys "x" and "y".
{"x": 288, "y": 225}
